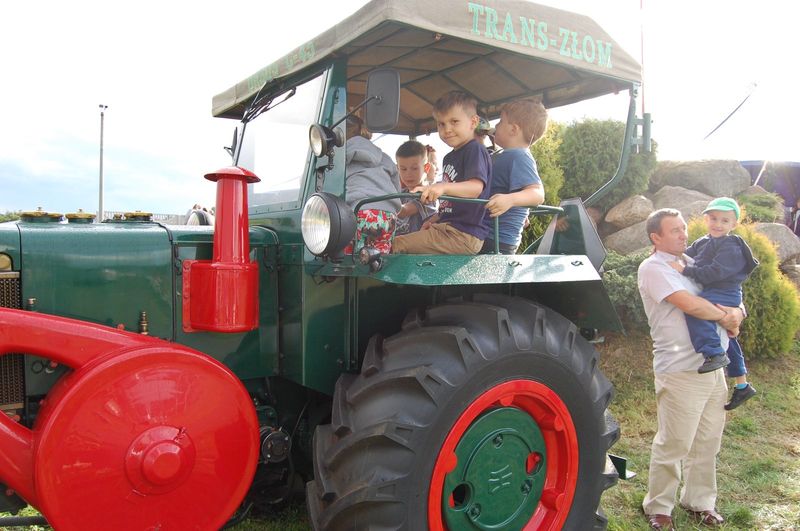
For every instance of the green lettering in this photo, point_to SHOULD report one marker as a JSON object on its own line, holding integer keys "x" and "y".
{"x": 508, "y": 30}
{"x": 477, "y": 11}
{"x": 527, "y": 32}
{"x": 491, "y": 23}
{"x": 604, "y": 54}
{"x": 541, "y": 41}
{"x": 588, "y": 49}
{"x": 564, "y": 34}
{"x": 575, "y": 53}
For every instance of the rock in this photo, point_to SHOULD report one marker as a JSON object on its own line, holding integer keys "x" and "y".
{"x": 792, "y": 272}
{"x": 693, "y": 209}
{"x": 786, "y": 243}
{"x": 678, "y": 197}
{"x": 753, "y": 190}
{"x": 644, "y": 250}
{"x": 628, "y": 239}
{"x": 630, "y": 211}
{"x": 713, "y": 177}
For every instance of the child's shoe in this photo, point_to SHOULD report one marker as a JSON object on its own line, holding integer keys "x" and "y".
{"x": 713, "y": 363}
{"x": 740, "y": 396}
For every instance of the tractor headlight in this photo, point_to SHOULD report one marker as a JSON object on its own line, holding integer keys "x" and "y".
{"x": 323, "y": 139}
{"x": 327, "y": 224}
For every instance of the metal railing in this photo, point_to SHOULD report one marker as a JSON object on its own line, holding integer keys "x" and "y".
{"x": 539, "y": 210}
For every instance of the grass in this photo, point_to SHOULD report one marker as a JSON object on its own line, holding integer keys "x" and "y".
{"x": 758, "y": 468}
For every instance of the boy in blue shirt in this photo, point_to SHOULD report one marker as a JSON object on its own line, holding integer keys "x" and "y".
{"x": 516, "y": 184}
{"x": 459, "y": 227}
{"x": 721, "y": 262}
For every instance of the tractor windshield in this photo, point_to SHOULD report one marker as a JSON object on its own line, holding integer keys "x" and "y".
{"x": 275, "y": 145}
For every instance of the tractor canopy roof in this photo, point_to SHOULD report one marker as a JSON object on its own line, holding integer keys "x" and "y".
{"x": 498, "y": 51}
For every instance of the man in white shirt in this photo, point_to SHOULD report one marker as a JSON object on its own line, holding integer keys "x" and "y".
{"x": 689, "y": 405}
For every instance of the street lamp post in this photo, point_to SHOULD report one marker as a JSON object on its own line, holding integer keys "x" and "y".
{"x": 100, "y": 205}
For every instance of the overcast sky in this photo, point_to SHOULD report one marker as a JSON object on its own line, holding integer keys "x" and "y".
{"x": 158, "y": 64}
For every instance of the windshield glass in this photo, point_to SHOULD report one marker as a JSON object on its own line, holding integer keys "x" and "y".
{"x": 276, "y": 145}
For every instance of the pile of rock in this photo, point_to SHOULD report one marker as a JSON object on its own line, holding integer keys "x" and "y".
{"x": 688, "y": 187}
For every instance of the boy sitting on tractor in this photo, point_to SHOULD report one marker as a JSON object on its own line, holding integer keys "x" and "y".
{"x": 459, "y": 227}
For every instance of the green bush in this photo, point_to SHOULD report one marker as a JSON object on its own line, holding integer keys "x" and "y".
{"x": 764, "y": 208}
{"x": 546, "y": 153}
{"x": 9, "y": 216}
{"x": 590, "y": 155}
{"x": 621, "y": 283}
{"x": 771, "y": 299}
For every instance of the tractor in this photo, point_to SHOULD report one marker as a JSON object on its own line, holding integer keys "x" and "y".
{"x": 161, "y": 377}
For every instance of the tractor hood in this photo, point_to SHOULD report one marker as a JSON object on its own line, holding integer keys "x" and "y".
{"x": 498, "y": 52}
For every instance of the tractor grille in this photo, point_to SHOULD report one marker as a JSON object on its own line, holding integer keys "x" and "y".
{"x": 12, "y": 366}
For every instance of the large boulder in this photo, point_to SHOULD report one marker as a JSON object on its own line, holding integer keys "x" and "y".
{"x": 630, "y": 211}
{"x": 786, "y": 243}
{"x": 713, "y": 177}
{"x": 678, "y": 197}
{"x": 753, "y": 190}
{"x": 695, "y": 208}
{"x": 792, "y": 272}
{"x": 629, "y": 239}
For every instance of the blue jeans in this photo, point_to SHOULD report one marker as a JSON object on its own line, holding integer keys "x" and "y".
{"x": 705, "y": 339}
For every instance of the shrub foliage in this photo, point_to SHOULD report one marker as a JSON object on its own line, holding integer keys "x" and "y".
{"x": 590, "y": 156}
{"x": 9, "y": 216}
{"x": 620, "y": 281}
{"x": 548, "y": 161}
{"x": 765, "y": 208}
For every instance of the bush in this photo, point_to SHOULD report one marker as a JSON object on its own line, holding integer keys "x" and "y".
{"x": 546, "y": 153}
{"x": 771, "y": 299}
{"x": 9, "y": 216}
{"x": 590, "y": 155}
{"x": 764, "y": 208}
{"x": 621, "y": 283}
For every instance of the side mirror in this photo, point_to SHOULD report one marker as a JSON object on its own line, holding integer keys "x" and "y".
{"x": 383, "y": 100}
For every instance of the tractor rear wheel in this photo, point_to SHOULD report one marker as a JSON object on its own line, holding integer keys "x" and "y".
{"x": 489, "y": 414}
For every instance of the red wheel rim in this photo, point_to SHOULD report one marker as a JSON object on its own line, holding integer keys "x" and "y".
{"x": 550, "y": 413}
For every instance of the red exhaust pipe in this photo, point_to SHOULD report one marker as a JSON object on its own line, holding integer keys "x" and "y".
{"x": 221, "y": 295}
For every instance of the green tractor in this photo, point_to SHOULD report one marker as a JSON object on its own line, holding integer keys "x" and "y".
{"x": 173, "y": 377}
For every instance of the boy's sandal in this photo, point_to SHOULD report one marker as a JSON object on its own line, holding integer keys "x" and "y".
{"x": 709, "y": 517}
{"x": 662, "y": 522}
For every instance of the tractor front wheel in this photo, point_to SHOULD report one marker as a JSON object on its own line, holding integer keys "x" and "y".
{"x": 489, "y": 414}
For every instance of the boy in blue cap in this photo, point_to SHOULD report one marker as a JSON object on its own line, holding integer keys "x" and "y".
{"x": 720, "y": 261}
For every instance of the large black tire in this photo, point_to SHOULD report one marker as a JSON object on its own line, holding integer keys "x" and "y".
{"x": 375, "y": 465}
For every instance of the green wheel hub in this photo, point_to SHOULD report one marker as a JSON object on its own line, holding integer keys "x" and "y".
{"x": 500, "y": 472}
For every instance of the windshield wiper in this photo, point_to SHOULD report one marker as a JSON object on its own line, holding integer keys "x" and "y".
{"x": 259, "y": 105}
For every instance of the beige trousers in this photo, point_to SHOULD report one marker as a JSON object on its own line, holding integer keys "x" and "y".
{"x": 690, "y": 423}
{"x": 440, "y": 238}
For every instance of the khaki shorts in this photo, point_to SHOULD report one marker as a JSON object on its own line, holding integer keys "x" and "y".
{"x": 440, "y": 238}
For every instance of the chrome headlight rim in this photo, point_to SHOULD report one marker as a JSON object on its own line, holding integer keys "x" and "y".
{"x": 327, "y": 224}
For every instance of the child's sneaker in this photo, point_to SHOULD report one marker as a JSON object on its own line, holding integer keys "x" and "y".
{"x": 713, "y": 363}
{"x": 740, "y": 396}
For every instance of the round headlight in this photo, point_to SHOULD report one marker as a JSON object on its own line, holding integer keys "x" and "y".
{"x": 318, "y": 140}
{"x": 327, "y": 224}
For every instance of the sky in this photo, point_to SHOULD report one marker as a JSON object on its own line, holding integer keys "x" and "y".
{"x": 156, "y": 65}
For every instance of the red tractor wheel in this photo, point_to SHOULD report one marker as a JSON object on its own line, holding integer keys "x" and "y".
{"x": 488, "y": 414}
{"x": 142, "y": 434}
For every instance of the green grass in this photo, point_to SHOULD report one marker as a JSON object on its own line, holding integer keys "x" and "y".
{"x": 758, "y": 470}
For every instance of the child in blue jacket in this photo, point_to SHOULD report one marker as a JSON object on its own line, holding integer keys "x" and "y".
{"x": 720, "y": 261}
